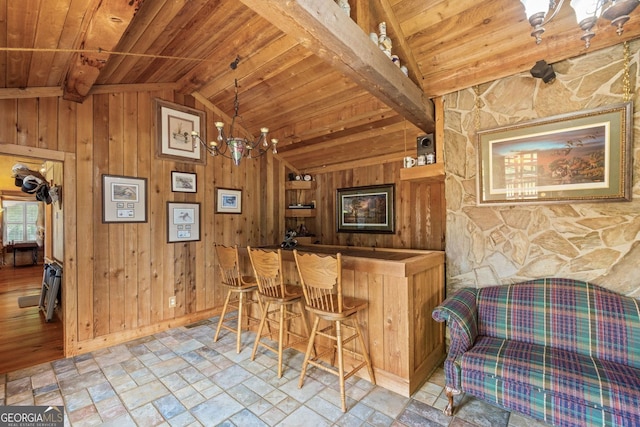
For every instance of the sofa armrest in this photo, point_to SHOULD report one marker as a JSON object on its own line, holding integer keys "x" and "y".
{"x": 461, "y": 314}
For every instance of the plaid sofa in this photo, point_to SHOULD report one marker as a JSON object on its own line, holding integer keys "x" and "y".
{"x": 559, "y": 350}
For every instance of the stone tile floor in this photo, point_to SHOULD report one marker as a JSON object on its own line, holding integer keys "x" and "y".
{"x": 182, "y": 378}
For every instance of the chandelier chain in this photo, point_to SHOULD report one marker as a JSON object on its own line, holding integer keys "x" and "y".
{"x": 626, "y": 83}
{"x": 476, "y": 118}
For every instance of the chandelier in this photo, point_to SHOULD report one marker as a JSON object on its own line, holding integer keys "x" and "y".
{"x": 234, "y": 147}
{"x": 587, "y": 14}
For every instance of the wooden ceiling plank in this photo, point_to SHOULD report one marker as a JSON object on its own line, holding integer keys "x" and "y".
{"x": 22, "y": 19}
{"x": 153, "y": 16}
{"x": 361, "y": 14}
{"x": 51, "y": 20}
{"x": 331, "y": 35}
{"x": 206, "y": 32}
{"x": 481, "y": 69}
{"x": 105, "y": 30}
{"x": 280, "y": 55}
{"x": 75, "y": 24}
{"x": 320, "y": 113}
{"x": 308, "y": 128}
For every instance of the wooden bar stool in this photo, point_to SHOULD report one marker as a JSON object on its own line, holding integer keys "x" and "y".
{"x": 267, "y": 266}
{"x": 321, "y": 278}
{"x": 238, "y": 285}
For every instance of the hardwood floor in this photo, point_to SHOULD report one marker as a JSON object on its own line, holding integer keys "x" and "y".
{"x": 26, "y": 339}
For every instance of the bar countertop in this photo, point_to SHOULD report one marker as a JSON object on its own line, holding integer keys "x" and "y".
{"x": 395, "y": 262}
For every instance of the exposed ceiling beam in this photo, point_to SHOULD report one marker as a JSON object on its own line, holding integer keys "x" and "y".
{"x": 324, "y": 29}
{"x": 107, "y": 25}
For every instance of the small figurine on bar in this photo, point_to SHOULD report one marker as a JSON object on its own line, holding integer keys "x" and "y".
{"x": 289, "y": 240}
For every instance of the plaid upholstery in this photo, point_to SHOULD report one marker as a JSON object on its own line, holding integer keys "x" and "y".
{"x": 580, "y": 380}
{"x": 459, "y": 311}
{"x": 565, "y": 314}
{"x": 561, "y": 350}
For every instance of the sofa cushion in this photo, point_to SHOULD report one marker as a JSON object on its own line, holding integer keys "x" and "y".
{"x": 565, "y": 314}
{"x": 572, "y": 376}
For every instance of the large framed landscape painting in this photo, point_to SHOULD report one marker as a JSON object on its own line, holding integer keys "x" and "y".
{"x": 365, "y": 209}
{"x": 577, "y": 157}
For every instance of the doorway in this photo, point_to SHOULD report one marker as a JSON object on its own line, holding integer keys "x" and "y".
{"x": 26, "y": 337}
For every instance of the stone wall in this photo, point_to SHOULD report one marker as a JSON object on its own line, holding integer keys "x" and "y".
{"x": 596, "y": 242}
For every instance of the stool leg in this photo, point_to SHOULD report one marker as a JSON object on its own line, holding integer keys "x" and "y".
{"x": 310, "y": 346}
{"x": 224, "y": 312}
{"x": 365, "y": 352}
{"x": 263, "y": 319}
{"x": 340, "y": 365}
{"x": 241, "y": 299}
{"x": 281, "y": 338}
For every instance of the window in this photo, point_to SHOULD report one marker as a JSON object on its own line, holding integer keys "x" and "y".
{"x": 20, "y": 221}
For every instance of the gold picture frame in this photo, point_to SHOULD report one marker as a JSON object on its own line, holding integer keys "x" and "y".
{"x": 576, "y": 157}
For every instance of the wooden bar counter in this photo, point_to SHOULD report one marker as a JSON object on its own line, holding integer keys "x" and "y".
{"x": 402, "y": 287}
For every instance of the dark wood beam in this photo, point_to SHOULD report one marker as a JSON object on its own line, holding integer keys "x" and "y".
{"x": 107, "y": 25}
{"x": 324, "y": 29}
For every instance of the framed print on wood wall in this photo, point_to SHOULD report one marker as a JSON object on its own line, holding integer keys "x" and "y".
{"x": 228, "y": 200}
{"x": 183, "y": 182}
{"x": 365, "y": 209}
{"x": 124, "y": 199}
{"x": 576, "y": 157}
{"x": 183, "y": 222}
{"x": 174, "y": 124}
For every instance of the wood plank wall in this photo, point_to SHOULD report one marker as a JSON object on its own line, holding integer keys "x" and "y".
{"x": 118, "y": 277}
{"x": 420, "y": 209}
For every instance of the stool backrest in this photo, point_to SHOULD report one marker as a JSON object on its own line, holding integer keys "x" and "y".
{"x": 267, "y": 267}
{"x": 321, "y": 278}
{"x": 229, "y": 263}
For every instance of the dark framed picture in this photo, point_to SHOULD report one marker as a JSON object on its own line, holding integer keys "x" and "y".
{"x": 366, "y": 209}
{"x": 183, "y": 182}
{"x": 183, "y": 222}
{"x": 124, "y": 199}
{"x": 175, "y": 124}
{"x": 577, "y": 157}
{"x": 228, "y": 201}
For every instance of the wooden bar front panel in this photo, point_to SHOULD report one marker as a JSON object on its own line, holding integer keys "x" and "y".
{"x": 405, "y": 343}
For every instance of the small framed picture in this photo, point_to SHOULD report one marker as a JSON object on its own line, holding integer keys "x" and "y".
{"x": 124, "y": 199}
{"x": 228, "y": 201}
{"x": 183, "y": 182}
{"x": 183, "y": 222}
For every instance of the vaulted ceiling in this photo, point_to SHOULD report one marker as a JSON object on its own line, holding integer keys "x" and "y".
{"x": 307, "y": 70}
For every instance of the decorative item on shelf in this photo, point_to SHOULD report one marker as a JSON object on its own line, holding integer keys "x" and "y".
{"x": 234, "y": 147}
{"x": 384, "y": 42}
{"x": 290, "y": 241}
{"x": 587, "y": 14}
{"x": 344, "y": 5}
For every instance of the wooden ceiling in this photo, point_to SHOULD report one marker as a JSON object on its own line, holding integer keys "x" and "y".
{"x": 307, "y": 71}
